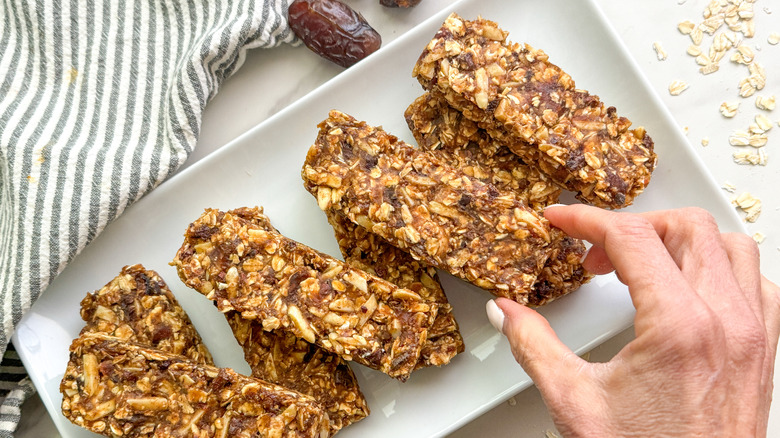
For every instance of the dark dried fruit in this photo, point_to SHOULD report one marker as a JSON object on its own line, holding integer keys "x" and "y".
{"x": 399, "y": 3}
{"x": 333, "y": 30}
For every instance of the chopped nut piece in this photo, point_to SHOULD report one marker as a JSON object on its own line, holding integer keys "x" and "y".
{"x": 283, "y": 359}
{"x": 705, "y": 141}
{"x": 659, "y": 51}
{"x": 759, "y": 237}
{"x": 729, "y": 109}
{"x": 144, "y": 392}
{"x": 388, "y": 339}
{"x": 441, "y": 216}
{"x": 137, "y": 306}
{"x": 765, "y": 103}
{"x": 729, "y": 187}
{"x": 677, "y": 87}
{"x": 535, "y": 108}
{"x": 773, "y": 38}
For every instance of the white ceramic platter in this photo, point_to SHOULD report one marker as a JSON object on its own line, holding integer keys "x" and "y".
{"x": 262, "y": 167}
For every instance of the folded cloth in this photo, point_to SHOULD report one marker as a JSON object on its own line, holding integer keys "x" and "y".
{"x": 100, "y": 101}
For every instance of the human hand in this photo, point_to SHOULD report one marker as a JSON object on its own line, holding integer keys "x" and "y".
{"x": 707, "y": 325}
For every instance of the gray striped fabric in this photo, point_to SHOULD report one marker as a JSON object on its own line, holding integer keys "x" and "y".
{"x": 100, "y": 101}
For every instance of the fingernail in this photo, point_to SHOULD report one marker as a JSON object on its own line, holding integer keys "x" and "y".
{"x": 495, "y": 315}
{"x": 585, "y": 254}
{"x": 555, "y": 205}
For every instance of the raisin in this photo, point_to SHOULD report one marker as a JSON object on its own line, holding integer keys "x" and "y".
{"x": 399, "y": 3}
{"x": 333, "y": 30}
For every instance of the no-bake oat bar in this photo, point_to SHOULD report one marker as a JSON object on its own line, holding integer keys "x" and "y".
{"x": 422, "y": 205}
{"x": 441, "y": 129}
{"x": 280, "y": 357}
{"x": 137, "y": 306}
{"x": 460, "y": 142}
{"x": 371, "y": 253}
{"x": 532, "y": 106}
{"x": 121, "y": 389}
{"x": 242, "y": 263}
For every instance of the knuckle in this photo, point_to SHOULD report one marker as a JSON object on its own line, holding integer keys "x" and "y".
{"x": 632, "y": 225}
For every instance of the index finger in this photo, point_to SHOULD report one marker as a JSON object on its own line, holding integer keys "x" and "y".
{"x": 632, "y": 245}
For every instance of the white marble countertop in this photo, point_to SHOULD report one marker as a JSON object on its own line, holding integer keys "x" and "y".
{"x": 246, "y": 99}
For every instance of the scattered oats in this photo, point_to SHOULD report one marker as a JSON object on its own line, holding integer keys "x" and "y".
{"x": 749, "y": 204}
{"x": 758, "y": 158}
{"x": 729, "y": 187}
{"x": 739, "y": 138}
{"x": 707, "y": 69}
{"x": 763, "y": 122}
{"x": 758, "y": 140}
{"x": 765, "y": 103}
{"x": 759, "y": 237}
{"x": 659, "y": 51}
{"x": 686, "y": 27}
{"x": 677, "y": 87}
{"x": 757, "y": 75}
{"x": 743, "y": 55}
{"x": 694, "y": 50}
{"x": 696, "y": 35}
{"x": 746, "y": 89}
{"x": 703, "y": 60}
{"x": 773, "y": 38}
{"x": 705, "y": 141}
{"x": 729, "y": 109}
{"x": 511, "y": 401}
{"x": 550, "y": 433}
{"x": 749, "y": 28}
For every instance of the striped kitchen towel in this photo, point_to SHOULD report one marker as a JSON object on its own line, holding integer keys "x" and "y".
{"x": 100, "y": 101}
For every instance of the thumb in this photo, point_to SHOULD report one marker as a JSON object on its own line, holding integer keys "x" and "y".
{"x": 536, "y": 347}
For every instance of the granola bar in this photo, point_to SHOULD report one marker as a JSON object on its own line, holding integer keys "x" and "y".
{"x": 532, "y": 106}
{"x": 121, "y": 389}
{"x": 137, "y": 306}
{"x": 418, "y": 203}
{"x": 238, "y": 260}
{"x": 280, "y": 357}
{"x": 372, "y": 254}
{"x": 461, "y": 143}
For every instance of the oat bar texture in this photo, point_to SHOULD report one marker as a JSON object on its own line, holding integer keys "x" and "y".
{"x": 121, "y": 389}
{"x": 418, "y": 203}
{"x": 240, "y": 261}
{"x": 532, "y": 106}
{"x": 371, "y": 253}
{"x": 280, "y": 357}
{"x": 137, "y": 306}
{"x": 459, "y": 142}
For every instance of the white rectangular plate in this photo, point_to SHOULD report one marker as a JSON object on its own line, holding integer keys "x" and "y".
{"x": 262, "y": 167}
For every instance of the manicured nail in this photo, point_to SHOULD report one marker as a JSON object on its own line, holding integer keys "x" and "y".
{"x": 585, "y": 254}
{"x": 495, "y": 315}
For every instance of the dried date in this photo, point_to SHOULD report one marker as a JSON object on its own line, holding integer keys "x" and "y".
{"x": 399, "y": 3}
{"x": 333, "y": 30}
